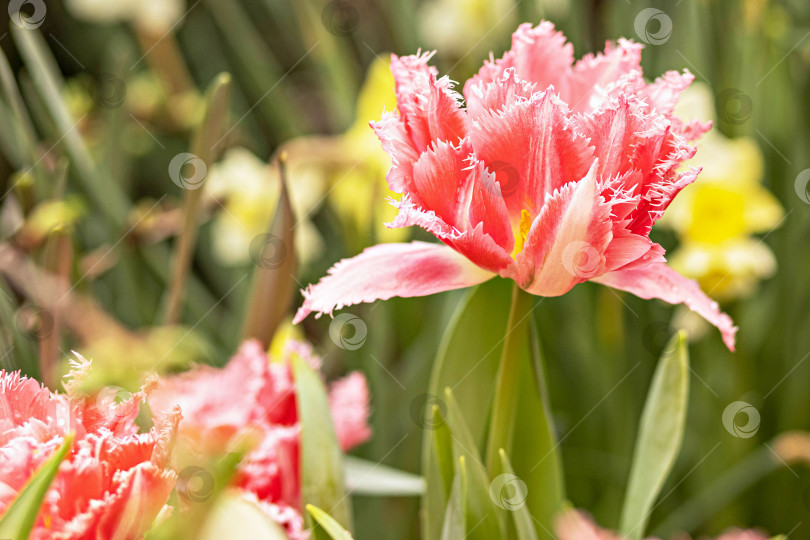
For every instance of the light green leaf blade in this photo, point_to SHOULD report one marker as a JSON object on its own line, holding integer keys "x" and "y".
{"x": 520, "y": 512}
{"x": 365, "y": 477}
{"x": 535, "y": 454}
{"x": 236, "y": 517}
{"x": 467, "y": 362}
{"x": 325, "y": 527}
{"x": 322, "y": 481}
{"x": 455, "y": 521}
{"x": 659, "y": 438}
{"x": 489, "y": 519}
{"x": 21, "y": 515}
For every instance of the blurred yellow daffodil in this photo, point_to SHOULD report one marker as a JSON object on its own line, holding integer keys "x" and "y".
{"x": 716, "y": 217}
{"x": 248, "y": 190}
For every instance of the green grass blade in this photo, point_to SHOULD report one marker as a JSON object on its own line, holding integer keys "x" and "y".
{"x": 322, "y": 482}
{"x": 659, "y": 437}
{"x": 325, "y": 527}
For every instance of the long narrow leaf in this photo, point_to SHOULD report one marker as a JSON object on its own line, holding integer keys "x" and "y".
{"x": 322, "y": 482}
{"x": 368, "y": 478}
{"x": 520, "y": 512}
{"x": 325, "y": 527}
{"x": 660, "y": 436}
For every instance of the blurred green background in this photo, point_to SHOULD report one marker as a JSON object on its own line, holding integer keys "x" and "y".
{"x": 106, "y": 100}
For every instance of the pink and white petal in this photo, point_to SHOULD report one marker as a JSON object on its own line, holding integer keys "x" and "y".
{"x": 567, "y": 240}
{"x": 498, "y": 94}
{"x": 397, "y": 143}
{"x": 594, "y": 72}
{"x": 660, "y": 281}
{"x": 387, "y": 270}
{"x": 533, "y": 139}
{"x": 429, "y": 106}
{"x": 539, "y": 55}
{"x": 663, "y": 94}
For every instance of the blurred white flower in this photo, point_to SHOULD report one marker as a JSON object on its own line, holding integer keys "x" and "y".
{"x": 155, "y": 17}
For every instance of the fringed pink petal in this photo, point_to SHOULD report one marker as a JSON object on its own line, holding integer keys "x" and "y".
{"x": 567, "y": 240}
{"x": 397, "y": 143}
{"x": 442, "y": 182}
{"x": 429, "y": 106}
{"x": 663, "y": 94}
{"x": 496, "y": 95}
{"x": 539, "y": 55}
{"x": 596, "y": 72}
{"x": 387, "y": 270}
{"x": 660, "y": 281}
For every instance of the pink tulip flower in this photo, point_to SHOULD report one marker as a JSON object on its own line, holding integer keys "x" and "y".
{"x": 114, "y": 481}
{"x": 546, "y": 172}
{"x": 255, "y": 396}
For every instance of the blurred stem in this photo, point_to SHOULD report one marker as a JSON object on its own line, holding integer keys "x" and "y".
{"x": 58, "y": 259}
{"x": 204, "y": 147}
{"x": 164, "y": 56}
{"x": 506, "y": 395}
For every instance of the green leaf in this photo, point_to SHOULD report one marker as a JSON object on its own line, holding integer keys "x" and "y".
{"x": 443, "y": 449}
{"x": 520, "y": 512}
{"x": 236, "y": 517}
{"x": 21, "y": 515}
{"x": 322, "y": 482}
{"x": 535, "y": 453}
{"x": 454, "y": 524}
{"x": 325, "y": 527}
{"x": 467, "y": 362}
{"x": 660, "y": 436}
{"x": 368, "y": 478}
{"x": 481, "y": 510}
